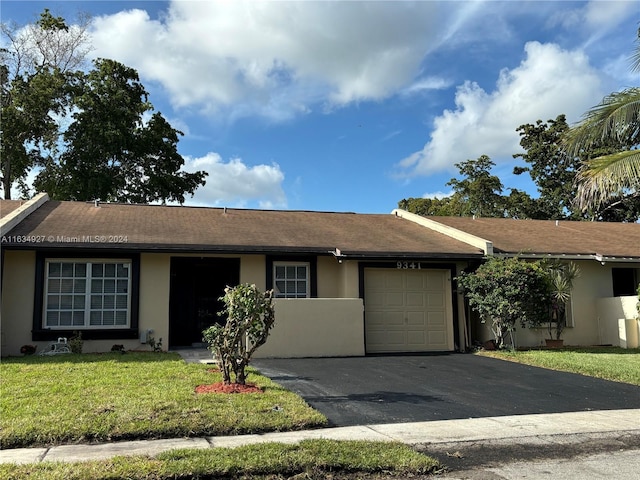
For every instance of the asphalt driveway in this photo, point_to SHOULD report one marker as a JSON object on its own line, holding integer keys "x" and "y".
{"x": 393, "y": 389}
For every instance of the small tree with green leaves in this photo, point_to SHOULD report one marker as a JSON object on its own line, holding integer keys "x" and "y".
{"x": 561, "y": 277}
{"x": 507, "y": 292}
{"x": 250, "y": 315}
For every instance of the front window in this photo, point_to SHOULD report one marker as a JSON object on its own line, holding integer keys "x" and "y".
{"x": 81, "y": 294}
{"x": 291, "y": 280}
{"x": 625, "y": 281}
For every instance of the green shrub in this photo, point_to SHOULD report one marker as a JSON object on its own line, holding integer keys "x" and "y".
{"x": 250, "y": 316}
{"x": 507, "y": 292}
{"x": 76, "y": 342}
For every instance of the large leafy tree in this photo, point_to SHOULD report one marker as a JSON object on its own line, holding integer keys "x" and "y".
{"x": 110, "y": 151}
{"x": 613, "y": 177}
{"x": 33, "y": 79}
{"x": 479, "y": 191}
{"x": 550, "y": 168}
{"x": 476, "y": 193}
{"x": 451, "y": 206}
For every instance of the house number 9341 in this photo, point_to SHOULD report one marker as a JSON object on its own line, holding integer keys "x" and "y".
{"x": 408, "y": 265}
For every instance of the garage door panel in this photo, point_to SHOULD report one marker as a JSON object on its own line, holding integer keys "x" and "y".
{"x": 415, "y": 281}
{"x": 415, "y": 299}
{"x": 391, "y": 340}
{"x": 438, "y": 338}
{"x": 416, "y": 318}
{"x": 435, "y": 300}
{"x": 394, "y": 299}
{"x": 436, "y": 319}
{"x": 407, "y": 310}
{"x": 416, "y": 338}
{"x": 375, "y": 279}
{"x": 375, "y": 300}
{"x": 375, "y": 319}
{"x": 393, "y": 319}
{"x": 393, "y": 282}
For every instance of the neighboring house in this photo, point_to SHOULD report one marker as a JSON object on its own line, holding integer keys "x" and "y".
{"x": 347, "y": 284}
{"x": 602, "y": 309}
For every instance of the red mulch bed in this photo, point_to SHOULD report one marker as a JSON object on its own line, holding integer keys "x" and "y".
{"x": 220, "y": 387}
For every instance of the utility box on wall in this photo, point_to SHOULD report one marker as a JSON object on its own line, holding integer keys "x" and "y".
{"x": 144, "y": 335}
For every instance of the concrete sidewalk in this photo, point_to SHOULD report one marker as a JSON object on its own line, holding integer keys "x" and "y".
{"x": 554, "y": 427}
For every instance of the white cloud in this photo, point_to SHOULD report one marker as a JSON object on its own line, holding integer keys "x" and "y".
{"x": 595, "y": 18}
{"x": 439, "y": 195}
{"x": 550, "y": 81}
{"x": 235, "y": 184}
{"x": 276, "y": 59}
{"x": 427, "y": 84}
{"x": 609, "y": 14}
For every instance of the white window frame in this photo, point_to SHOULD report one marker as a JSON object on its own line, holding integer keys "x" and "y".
{"x": 287, "y": 293}
{"x": 86, "y": 308}
{"x": 569, "y": 313}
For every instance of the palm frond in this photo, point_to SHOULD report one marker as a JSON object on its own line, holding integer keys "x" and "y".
{"x": 635, "y": 57}
{"x": 617, "y": 116}
{"x": 607, "y": 177}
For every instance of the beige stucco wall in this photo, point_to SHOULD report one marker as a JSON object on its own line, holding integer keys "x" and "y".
{"x": 617, "y": 321}
{"x": 18, "y": 285}
{"x": 329, "y": 325}
{"x": 316, "y": 327}
{"x": 337, "y": 279}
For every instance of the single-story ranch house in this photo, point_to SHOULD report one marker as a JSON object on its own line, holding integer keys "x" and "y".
{"x": 346, "y": 283}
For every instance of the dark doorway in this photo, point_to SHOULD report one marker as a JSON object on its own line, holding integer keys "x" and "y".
{"x": 196, "y": 286}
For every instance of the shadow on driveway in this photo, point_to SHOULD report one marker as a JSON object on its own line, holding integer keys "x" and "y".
{"x": 416, "y": 388}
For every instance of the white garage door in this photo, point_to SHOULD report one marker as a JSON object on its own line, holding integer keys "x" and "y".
{"x": 407, "y": 310}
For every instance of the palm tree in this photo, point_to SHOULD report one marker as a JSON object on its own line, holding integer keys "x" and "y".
{"x": 616, "y": 120}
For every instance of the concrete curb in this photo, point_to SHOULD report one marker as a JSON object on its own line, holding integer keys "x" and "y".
{"x": 518, "y": 428}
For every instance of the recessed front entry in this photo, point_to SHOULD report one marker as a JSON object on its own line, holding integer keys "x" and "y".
{"x": 196, "y": 286}
{"x": 407, "y": 310}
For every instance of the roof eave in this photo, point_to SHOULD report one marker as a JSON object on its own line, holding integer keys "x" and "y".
{"x": 572, "y": 256}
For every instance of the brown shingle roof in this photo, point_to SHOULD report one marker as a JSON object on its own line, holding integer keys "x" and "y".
{"x": 154, "y": 227}
{"x": 546, "y": 237}
{"x": 8, "y": 206}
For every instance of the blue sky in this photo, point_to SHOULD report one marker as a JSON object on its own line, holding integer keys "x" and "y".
{"x": 355, "y": 105}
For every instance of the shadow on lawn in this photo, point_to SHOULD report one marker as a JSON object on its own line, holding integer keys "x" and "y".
{"x": 95, "y": 358}
{"x": 599, "y": 350}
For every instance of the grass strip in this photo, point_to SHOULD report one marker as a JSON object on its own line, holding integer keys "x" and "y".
{"x": 114, "y": 396}
{"x": 609, "y": 363}
{"x": 322, "y": 457}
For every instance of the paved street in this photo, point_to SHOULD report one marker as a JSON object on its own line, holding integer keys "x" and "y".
{"x": 569, "y": 457}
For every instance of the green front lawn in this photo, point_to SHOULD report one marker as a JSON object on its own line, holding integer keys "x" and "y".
{"x": 609, "y": 363}
{"x": 114, "y": 396}
{"x": 310, "y": 459}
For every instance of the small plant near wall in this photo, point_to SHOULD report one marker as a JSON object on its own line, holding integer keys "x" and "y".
{"x": 250, "y": 315}
{"x": 28, "y": 349}
{"x": 507, "y": 292}
{"x": 76, "y": 342}
{"x": 561, "y": 277}
{"x": 156, "y": 346}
